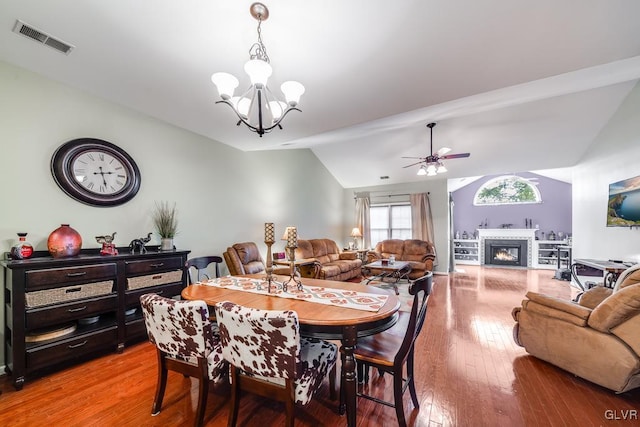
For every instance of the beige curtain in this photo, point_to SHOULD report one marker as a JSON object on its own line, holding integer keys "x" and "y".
{"x": 421, "y": 219}
{"x": 363, "y": 204}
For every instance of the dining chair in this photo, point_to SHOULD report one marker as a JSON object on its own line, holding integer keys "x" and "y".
{"x": 391, "y": 350}
{"x": 268, "y": 357}
{"x": 186, "y": 342}
{"x": 201, "y": 267}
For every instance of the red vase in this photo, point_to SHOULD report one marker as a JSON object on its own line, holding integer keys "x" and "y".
{"x": 64, "y": 241}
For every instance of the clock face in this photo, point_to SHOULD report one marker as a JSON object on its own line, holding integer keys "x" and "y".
{"x": 99, "y": 172}
{"x": 95, "y": 172}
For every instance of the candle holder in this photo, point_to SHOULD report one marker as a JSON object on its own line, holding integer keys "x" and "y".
{"x": 269, "y": 239}
{"x": 292, "y": 244}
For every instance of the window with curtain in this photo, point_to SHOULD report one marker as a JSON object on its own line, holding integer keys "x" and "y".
{"x": 392, "y": 221}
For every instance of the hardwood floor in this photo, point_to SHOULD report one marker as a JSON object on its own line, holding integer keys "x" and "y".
{"x": 469, "y": 373}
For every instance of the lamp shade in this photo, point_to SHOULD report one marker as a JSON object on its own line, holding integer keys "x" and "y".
{"x": 242, "y": 105}
{"x": 422, "y": 170}
{"x": 441, "y": 168}
{"x": 356, "y": 232}
{"x": 225, "y": 83}
{"x": 259, "y": 72}
{"x": 292, "y": 91}
{"x": 277, "y": 109}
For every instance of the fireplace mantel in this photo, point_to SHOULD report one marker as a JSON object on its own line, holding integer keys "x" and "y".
{"x": 528, "y": 234}
{"x": 520, "y": 233}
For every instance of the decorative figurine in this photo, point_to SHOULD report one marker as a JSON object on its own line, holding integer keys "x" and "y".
{"x": 138, "y": 244}
{"x": 108, "y": 247}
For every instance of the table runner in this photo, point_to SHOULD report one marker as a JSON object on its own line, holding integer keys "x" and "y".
{"x": 316, "y": 294}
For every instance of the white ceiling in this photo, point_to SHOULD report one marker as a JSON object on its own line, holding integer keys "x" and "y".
{"x": 521, "y": 85}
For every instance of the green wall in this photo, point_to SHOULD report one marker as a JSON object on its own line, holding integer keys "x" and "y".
{"x": 223, "y": 195}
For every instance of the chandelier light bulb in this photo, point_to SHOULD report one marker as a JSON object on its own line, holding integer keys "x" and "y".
{"x": 292, "y": 91}
{"x": 422, "y": 170}
{"x": 259, "y": 72}
{"x": 431, "y": 170}
{"x": 277, "y": 109}
{"x": 225, "y": 83}
{"x": 242, "y": 105}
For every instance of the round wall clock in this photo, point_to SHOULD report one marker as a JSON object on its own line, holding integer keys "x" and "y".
{"x": 95, "y": 172}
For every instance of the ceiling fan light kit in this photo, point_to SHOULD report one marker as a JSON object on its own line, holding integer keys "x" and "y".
{"x": 258, "y": 108}
{"x": 432, "y": 164}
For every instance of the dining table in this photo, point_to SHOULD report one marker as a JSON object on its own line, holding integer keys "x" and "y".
{"x": 324, "y": 321}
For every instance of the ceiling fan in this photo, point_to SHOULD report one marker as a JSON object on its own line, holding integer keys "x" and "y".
{"x": 432, "y": 164}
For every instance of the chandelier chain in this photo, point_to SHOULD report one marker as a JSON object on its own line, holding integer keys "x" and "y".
{"x": 258, "y": 50}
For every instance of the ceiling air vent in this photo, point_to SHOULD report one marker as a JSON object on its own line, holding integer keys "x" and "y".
{"x": 42, "y": 37}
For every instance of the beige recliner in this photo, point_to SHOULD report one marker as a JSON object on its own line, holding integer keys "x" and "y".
{"x": 597, "y": 339}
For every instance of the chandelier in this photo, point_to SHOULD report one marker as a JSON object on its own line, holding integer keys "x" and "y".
{"x": 258, "y": 108}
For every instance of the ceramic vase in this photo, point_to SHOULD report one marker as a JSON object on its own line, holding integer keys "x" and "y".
{"x": 166, "y": 244}
{"x": 64, "y": 241}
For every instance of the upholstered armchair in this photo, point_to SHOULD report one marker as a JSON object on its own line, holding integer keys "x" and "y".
{"x": 597, "y": 339}
{"x": 420, "y": 254}
{"x": 245, "y": 258}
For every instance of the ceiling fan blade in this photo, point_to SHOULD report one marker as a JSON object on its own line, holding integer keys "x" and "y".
{"x": 455, "y": 156}
{"x": 422, "y": 158}
{"x": 413, "y": 164}
{"x": 444, "y": 150}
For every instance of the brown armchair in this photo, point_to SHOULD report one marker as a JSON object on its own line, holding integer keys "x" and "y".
{"x": 420, "y": 254}
{"x": 245, "y": 258}
{"x": 597, "y": 339}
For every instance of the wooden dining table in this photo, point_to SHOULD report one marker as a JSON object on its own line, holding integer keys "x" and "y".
{"x": 317, "y": 320}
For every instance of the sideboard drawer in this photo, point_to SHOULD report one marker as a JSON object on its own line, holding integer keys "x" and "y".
{"x": 43, "y": 279}
{"x": 73, "y": 348}
{"x": 62, "y": 313}
{"x": 154, "y": 265}
{"x": 132, "y": 297}
{"x": 67, "y": 293}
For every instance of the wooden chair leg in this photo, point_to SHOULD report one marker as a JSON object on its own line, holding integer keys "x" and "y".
{"x": 203, "y": 392}
{"x": 397, "y": 397}
{"x": 412, "y": 384}
{"x": 235, "y": 397}
{"x": 161, "y": 384}
{"x": 332, "y": 383}
{"x": 290, "y": 411}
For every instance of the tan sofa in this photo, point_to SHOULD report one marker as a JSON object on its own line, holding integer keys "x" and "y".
{"x": 245, "y": 258}
{"x": 419, "y": 253}
{"x": 597, "y": 339}
{"x": 330, "y": 262}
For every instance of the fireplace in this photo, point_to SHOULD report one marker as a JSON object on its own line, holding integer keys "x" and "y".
{"x": 509, "y": 252}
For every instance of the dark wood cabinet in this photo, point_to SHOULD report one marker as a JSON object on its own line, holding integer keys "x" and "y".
{"x": 62, "y": 311}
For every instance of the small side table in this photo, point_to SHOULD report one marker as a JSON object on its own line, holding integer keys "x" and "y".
{"x": 360, "y": 253}
{"x": 308, "y": 266}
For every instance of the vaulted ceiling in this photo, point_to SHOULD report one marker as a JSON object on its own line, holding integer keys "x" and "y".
{"x": 520, "y": 85}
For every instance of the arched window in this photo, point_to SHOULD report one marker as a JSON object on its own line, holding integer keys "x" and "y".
{"x": 507, "y": 190}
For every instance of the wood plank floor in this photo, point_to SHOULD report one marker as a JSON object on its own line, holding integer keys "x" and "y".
{"x": 469, "y": 373}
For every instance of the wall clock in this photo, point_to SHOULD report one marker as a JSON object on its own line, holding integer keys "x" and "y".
{"x": 95, "y": 172}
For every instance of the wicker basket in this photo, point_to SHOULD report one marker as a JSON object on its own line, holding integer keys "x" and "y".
{"x": 67, "y": 293}
{"x": 154, "y": 279}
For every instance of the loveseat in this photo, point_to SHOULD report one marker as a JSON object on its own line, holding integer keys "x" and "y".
{"x": 330, "y": 262}
{"x": 597, "y": 339}
{"x": 419, "y": 253}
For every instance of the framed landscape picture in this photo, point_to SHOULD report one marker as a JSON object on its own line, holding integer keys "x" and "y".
{"x": 623, "y": 208}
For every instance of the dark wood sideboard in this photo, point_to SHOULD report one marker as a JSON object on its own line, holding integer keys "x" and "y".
{"x": 89, "y": 303}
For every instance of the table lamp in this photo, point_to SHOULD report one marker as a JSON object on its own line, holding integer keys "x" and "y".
{"x": 355, "y": 233}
